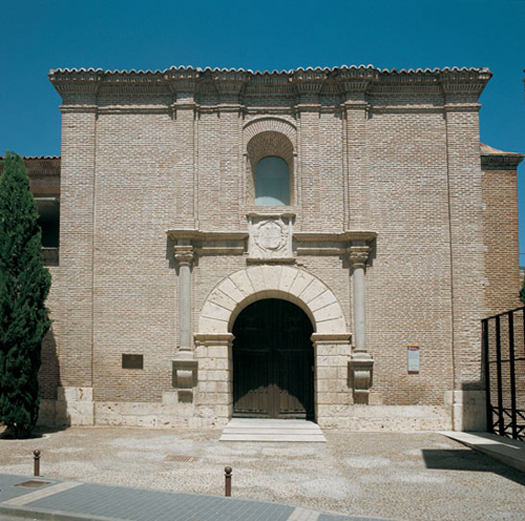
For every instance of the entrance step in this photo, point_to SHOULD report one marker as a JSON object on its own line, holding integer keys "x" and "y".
{"x": 259, "y": 429}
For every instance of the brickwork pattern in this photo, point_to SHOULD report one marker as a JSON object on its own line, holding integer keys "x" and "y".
{"x": 366, "y": 150}
{"x": 501, "y": 238}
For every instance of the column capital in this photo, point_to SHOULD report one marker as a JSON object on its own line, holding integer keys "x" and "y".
{"x": 183, "y": 254}
{"x": 358, "y": 255}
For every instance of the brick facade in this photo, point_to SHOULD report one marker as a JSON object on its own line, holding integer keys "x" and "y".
{"x": 384, "y": 162}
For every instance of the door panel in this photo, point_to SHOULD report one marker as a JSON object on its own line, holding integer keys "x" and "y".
{"x": 251, "y": 397}
{"x": 273, "y": 361}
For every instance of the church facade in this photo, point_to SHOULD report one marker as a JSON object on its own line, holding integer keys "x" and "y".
{"x": 313, "y": 243}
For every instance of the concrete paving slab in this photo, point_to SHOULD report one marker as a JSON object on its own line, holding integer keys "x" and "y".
{"x": 511, "y": 452}
{"x": 74, "y": 501}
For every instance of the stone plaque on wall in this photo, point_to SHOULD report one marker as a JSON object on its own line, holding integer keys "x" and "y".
{"x": 132, "y": 361}
{"x": 270, "y": 237}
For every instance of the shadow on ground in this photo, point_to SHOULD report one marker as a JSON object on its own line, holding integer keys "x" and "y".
{"x": 469, "y": 460}
{"x": 39, "y": 432}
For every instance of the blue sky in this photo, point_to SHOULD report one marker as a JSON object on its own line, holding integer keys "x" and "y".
{"x": 37, "y": 36}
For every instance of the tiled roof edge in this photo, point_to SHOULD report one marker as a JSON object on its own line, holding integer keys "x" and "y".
{"x": 35, "y": 158}
{"x": 492, "y": 158}
{"x": 185, "y": 68}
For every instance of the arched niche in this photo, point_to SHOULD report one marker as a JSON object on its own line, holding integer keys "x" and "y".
{"x": 270, "y": 141}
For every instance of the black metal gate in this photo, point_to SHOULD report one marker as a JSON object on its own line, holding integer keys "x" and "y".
{"x": 504, "y": 364}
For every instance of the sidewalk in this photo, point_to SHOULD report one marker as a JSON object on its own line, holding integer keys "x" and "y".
{"x": 57, "y": 500}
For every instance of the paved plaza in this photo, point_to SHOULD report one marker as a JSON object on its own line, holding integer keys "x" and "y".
{"x": 399, "y": 476}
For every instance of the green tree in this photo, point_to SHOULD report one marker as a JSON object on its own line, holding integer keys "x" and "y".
{"x": 24, "y": 285}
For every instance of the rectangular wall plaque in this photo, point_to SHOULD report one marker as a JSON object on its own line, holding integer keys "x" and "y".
{"x": 132, "y": 361}
{"x": 413, "y": 359}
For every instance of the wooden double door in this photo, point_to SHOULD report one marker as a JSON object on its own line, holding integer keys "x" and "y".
{"x": 273, "y": 362}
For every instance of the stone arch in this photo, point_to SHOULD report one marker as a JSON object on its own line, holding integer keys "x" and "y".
{"x": 235, "y": 292}
{"x": 270, "y": 124}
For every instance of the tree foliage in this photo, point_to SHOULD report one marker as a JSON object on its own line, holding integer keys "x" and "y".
{"x": 24, "y": 285}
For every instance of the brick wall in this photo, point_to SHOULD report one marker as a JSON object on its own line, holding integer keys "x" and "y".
{"x": 396, "y": 155}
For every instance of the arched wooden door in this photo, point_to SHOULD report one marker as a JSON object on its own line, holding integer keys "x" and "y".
{"x": 273, "y": 362}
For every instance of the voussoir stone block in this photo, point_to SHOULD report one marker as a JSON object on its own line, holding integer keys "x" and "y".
{"x": 242, "y": 282}
{"x": 288, "y": 276}
{"x": 256, "y": 276}
{"x": 231, "y": 290}
{"x": 220, "y": 298}
{"x": 272, "y": 276}
{"x": 300, "y": 283}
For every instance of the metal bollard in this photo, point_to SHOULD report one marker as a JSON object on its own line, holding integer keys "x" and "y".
{"x": 228, "y": 481}
{"x": 36, "y": 456}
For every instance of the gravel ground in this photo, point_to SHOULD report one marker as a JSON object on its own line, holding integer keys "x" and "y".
{"x": 420, "y": 476}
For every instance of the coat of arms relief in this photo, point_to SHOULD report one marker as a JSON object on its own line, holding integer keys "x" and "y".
{"x": 270, "y": 237}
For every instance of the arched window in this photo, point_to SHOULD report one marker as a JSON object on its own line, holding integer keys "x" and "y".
{"x": 272, "y": 182}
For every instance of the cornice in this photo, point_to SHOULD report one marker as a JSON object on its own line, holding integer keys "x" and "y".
{"x": 39, "y": 165}
{"x": 80, "y": 108}
{"x": 331, "y": 338}
{"x": 494, "y": 159}
{"x": 403, "y": 109}
{"x": 307, "y": 83}
{"x": 305, "y": 243}
{"x": 192, "y": 234}
{"x": 134, "y": 109}
{"x": 349, "y": 235}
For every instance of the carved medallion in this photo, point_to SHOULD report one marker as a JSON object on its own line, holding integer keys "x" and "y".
{"x": 270, "y": 237}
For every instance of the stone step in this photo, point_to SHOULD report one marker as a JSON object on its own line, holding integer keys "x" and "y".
{"x": 262, "y": 430}
{"x": 273, "y": 431}
{"x": 273, "y": 438}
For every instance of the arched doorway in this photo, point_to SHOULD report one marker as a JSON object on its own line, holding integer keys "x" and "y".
{"x": 273, "y": 362}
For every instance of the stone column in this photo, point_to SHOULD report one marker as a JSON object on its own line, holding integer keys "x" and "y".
{"x": 361, "y": 363}
{"x": 185, "y": 364}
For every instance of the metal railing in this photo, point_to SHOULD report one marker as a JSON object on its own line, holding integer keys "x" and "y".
{"x": 503, "y": 338}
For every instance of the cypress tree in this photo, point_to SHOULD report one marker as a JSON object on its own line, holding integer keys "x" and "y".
{"x": 24, "y": 285}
